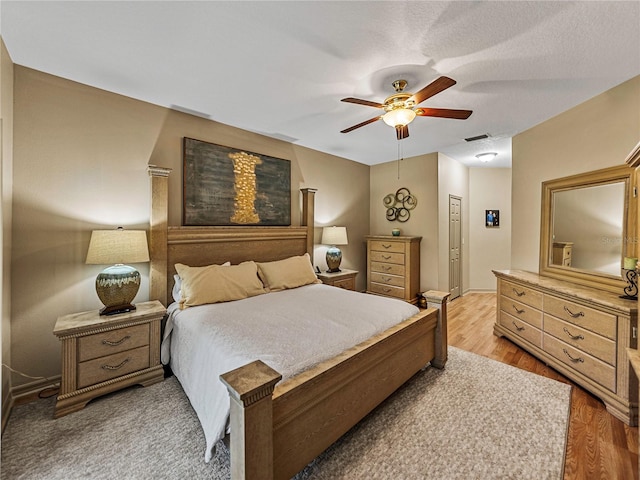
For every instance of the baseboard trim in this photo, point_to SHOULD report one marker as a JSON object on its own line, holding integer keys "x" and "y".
{"x": 7, "y": 406}
{"x": 481, "y": 290}
{"x": 30, "y": 392}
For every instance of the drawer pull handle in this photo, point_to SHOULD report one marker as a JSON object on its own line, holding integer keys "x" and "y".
{"x": 573, "y": 359}
{"x": 519, "y": 312}
{"x": 574, "y": 315}
{"x": 386, "y": 245}
{"x": 573, "y": 337}
{"x": 116, "y": 367}
{"x": 386, "y": 279}
{"x": 520, "y": 294}
{"x": 115, "y": 344}
{"x": 386, "y": 268}
{"x": 517, "y": 327}
{"x": 386, "y": 257}
{"x": 386, "y": 290}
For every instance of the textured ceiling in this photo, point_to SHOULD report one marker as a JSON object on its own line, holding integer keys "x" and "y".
{"x": 281, "y": 68}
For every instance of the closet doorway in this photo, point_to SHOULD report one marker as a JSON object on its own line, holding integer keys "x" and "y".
{"x": 455, "y": 241}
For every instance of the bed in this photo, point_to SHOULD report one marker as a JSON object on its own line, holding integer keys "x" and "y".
{"x": 279, "y": 425}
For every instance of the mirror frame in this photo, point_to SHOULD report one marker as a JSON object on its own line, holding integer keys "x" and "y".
{"x": 602, "y": 281}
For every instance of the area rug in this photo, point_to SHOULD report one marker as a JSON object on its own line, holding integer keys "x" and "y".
{"x": 476, "y": 419}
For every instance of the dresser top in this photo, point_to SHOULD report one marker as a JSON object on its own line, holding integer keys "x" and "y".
{"x": 552, "y": 285}
{"x": 404, "y": 238}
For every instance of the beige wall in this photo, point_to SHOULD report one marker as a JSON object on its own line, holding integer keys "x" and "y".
{"x": 596, "y": 134}
{"x": 80, "y": 164}
{"x": 489, "y": 248}
{"x": 420, "y": 176}
{"x": 453, "y": 179}
{"x": 6, "y": 176}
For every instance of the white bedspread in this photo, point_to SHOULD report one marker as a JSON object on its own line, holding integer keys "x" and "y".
{"x": 290, "y": 331}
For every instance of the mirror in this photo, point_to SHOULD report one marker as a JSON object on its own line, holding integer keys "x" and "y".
{"x": 588, "y": 224}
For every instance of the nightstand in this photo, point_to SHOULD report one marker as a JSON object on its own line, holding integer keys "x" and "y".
{"x": 344, "y": 279}
{"x": 102, "y": 354}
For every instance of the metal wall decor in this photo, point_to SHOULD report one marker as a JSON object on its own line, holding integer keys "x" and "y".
{"x": 400, "y": 205}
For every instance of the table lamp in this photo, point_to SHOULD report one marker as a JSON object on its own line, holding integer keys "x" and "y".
{"x": 334, "y": 236}
{"x": 629, "y": 267}
{"x": 118, "y": 284}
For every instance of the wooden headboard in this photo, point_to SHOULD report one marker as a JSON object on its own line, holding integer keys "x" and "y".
{"x": 198, "y": 246}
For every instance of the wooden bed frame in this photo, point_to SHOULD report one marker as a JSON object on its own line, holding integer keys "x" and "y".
{"x": 278, "y": 429}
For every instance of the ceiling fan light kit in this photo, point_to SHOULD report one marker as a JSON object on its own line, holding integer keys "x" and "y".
{"x": 400, "y": 107}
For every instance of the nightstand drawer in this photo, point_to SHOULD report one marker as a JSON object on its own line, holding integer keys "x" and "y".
{"x": 383, "y": 246}
{"x": 346, "y": 283}
{"x": 388, "y": 268}
{"x": 113, "y": 341}
{"x": 112, "y": 366}
{"x": 387, "y": 257}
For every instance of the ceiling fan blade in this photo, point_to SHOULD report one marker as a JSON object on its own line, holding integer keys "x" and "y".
{"x": 362, "y": 102}
{"x": 402, "y": 132}
{"x": 367, "y": 122}
{"x": 437, "y": 86}
{"x": 444, "y": 113}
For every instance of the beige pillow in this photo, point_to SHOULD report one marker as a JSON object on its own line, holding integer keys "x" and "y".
{"x": 291, "y": 272}
{"x": 217, "y": 283}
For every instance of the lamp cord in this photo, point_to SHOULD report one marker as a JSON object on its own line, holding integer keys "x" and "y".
{"x": 54, "y": 386}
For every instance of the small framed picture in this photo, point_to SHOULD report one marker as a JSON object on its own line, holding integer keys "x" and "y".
{"x": 492, "y": 218}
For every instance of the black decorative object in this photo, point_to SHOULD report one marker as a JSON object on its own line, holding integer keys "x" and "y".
{"x": 400, "y": 205}
{"x": 631, "y": 290}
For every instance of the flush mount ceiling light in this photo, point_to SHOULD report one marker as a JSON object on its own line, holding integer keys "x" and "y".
{"x": 486, "y": 157}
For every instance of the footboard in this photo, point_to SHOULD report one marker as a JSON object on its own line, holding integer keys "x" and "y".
{"x": 277, "y": 431}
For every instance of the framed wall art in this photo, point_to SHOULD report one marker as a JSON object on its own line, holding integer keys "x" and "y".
{"x": 227, "y": 186}
{"x": 492, "y": 218}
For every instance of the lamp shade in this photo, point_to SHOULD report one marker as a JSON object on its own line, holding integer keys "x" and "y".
{"x": 399, "y": 117}
{"x": 118, "y": 284}
{"x": 109, "y": 247}
{"x": 334, "y": 236}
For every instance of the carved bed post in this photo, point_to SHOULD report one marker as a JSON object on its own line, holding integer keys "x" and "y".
{"x": 250, "y": 390}
{"x": 308, "y": 213}
{"x": 439, "y": 300}
{"x": 158, "y": 224}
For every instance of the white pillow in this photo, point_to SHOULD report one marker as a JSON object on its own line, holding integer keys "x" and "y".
{"x": 177, "y": 284}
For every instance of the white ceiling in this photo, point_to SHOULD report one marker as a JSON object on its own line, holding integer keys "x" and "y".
{"x": 281, "y": 68}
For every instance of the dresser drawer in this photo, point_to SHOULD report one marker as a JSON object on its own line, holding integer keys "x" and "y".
{"x": 521, "y": 311}
{"x": 388, "y": 290}
{"x": 522, "y": 329}
{"x": 595, "y": 345}
{"x": 112, "y": 366}
{"x": 384, "y": 246}
{"x": 387, "y": 279}
{"x": 113, "y": 341}
{"x": 584, "y": 363}
{"x": 388, "y": 268}
{"x": 387, "y": 257}
{"x": 599, "y": 322}
{"x": 522, "y": 294}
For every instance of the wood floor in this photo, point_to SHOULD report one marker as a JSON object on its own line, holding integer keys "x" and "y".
{"x": 599, "y": 446}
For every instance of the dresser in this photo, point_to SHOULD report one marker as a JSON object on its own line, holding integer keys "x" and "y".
{"x": 102, "y": 354}
{"x": 562, "y": 253}
{"x": 393, "y": 266}
{"x": 581, "y": 332}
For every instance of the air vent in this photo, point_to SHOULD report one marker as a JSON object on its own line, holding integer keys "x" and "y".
{"x": 479, "y": 137}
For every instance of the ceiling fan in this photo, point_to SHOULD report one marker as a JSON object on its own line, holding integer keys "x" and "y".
{"x": 401, "y": 108}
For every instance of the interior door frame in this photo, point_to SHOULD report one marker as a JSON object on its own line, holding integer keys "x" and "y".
{"x": 459, "y": 244}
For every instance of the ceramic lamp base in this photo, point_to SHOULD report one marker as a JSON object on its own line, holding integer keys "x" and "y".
{"x": 116, "y": 287}
{"x": 334, "y": 257}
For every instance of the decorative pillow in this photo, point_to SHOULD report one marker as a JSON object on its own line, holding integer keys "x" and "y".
{"x": 218, "y": 283}
{"x": 291, "y": 272}
{"x": 177, "y": 282}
